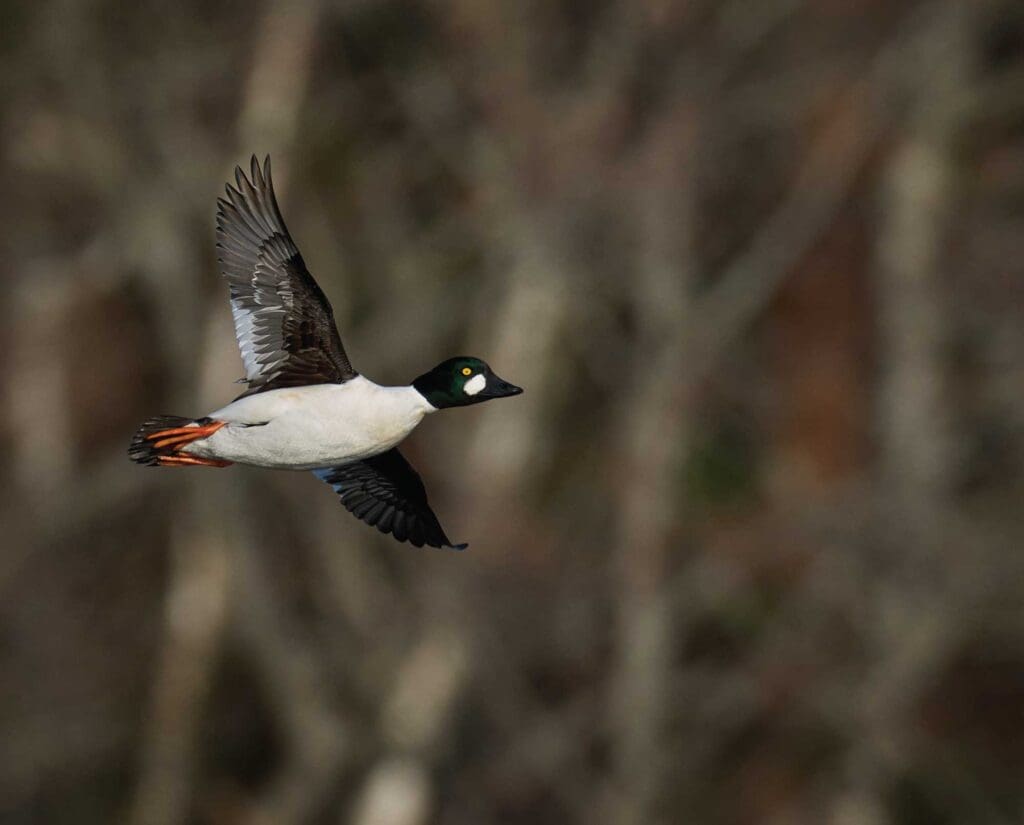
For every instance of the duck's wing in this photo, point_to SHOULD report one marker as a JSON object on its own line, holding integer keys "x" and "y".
{"x": 283, "y": 321}
{"x": 386, "y": 492}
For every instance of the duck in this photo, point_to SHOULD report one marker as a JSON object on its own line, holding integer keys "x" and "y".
{"x": 305, "y": 406}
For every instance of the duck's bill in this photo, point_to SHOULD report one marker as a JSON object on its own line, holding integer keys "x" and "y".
{"x": 499, "y": 388}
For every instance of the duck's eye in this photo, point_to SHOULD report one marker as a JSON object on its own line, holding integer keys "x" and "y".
{"x": 467, "y": 371}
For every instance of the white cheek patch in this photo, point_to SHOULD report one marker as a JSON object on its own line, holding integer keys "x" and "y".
{"x": 475, "y": 384}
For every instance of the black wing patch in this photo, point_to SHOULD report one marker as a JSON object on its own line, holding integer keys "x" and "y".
{"x": 386, "y": 492}
{"x": 283, "y": 321}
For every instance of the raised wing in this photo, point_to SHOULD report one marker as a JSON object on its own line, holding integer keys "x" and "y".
{"x": 386, "y": 492}
{"x": 283, "y": 321}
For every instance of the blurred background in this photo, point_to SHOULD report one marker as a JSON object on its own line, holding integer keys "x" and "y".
{"x": 749, "y": 549}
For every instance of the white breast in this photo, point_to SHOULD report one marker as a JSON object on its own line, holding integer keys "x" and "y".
{"x": 316, "y": 426}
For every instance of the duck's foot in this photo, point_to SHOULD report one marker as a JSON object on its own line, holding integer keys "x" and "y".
{"x": 181, "y": 460}
{"x": 177, "y": 437}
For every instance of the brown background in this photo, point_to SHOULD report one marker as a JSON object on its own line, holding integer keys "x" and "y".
{"x": 748, "y": 549}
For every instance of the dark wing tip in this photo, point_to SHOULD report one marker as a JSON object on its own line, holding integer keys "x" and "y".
{"x": 437, "y": 537}
{"x": 385, "y": 491}
{"x": 233, "y": 196}
{"x": 258, "y": 177}
{"x": 440, "y": 540}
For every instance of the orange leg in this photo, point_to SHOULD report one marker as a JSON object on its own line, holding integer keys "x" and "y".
{"x": 180, "y": 436}
{"x": 190, "y": 461}
{"x": 174, "y": 431}
{"x": 174, "y": 439}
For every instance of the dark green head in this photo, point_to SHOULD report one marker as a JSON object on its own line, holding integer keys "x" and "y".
{"x": 461, "y": 381}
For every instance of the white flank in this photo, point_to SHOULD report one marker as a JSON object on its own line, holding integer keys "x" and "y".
{"x": 475, "y": 384}
{"x": 317, "y": 426}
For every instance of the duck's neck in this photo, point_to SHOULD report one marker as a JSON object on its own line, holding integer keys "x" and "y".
{"x": 420, "y": 398}
{"x": 435, "y": 392}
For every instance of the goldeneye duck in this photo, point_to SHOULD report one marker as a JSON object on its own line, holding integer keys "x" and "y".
{"x": 306, "y": 408}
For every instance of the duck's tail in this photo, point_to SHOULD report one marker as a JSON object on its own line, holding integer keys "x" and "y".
{"x": 158, "y": 442}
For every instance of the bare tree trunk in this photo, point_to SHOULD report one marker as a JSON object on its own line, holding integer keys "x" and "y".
{"x": 194, "y": 620}
{"x": 910, "y": 629}
{"x": 917, "y": 206}
{"x": 38, "y": 412}
{"x": 205, "y": 556}
{"x": 196, "y": 599}
{"x": 655, "y": 427}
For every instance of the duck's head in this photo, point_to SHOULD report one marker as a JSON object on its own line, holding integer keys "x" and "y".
{"x": 461, "y": 381}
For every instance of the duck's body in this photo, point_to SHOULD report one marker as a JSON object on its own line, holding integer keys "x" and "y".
{"x": 306, "y": 407}
{"x": 305, "y": 428}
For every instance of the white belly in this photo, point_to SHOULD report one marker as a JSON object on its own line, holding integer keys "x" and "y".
{"x": 318, "y": 426}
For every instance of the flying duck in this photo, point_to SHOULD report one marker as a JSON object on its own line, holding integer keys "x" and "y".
{"x": 306, "y": 408}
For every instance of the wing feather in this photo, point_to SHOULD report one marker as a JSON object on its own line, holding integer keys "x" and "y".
{"x": 387, "y": 493}
{"x": 283, "y": 321}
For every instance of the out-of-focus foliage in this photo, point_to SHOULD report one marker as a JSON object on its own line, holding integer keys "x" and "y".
{"x": 748, "y": 549}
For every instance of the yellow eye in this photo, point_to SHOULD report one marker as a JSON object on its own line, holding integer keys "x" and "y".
{"x": 467, "y": 371}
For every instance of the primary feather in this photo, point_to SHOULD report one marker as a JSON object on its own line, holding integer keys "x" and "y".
{"x": 283, "y": 321}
